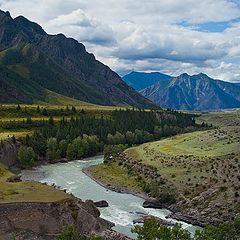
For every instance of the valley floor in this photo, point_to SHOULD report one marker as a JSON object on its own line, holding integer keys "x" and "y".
{"x": 198, "y": 170}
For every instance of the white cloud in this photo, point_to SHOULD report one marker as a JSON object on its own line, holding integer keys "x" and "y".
{"x": 84, "y": 28}
{"x": 77, "y": 17}
{"x": 171, "y": 42}
{"x": 145, "y": 35}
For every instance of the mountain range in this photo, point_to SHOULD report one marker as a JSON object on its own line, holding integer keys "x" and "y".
{"x": 185, "y": 92}
{"x": 34, "y": 64}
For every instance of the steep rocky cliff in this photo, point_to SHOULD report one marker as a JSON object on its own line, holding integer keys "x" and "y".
{"x": 8, "y": 153}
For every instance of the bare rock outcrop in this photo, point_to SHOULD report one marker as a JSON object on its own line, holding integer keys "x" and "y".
{"x": 152, "y": 203}
{"x": 49, "y": 219}
{"x": 195, "y": 212}
{"x": 14, "y": 179}
{"x": 8, "y": 153}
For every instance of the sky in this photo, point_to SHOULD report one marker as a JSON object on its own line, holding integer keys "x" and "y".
{"x": 169, "y": 36}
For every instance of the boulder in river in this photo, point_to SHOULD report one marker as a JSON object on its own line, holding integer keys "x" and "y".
{"x": 101, "y": 204}
{"x": 152, "y": 204}
{"x": 138, "y": 221}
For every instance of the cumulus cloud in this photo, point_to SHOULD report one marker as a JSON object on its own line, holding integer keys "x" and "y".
{"x": 153, "y": 35}
{"x": 84, "y": 28}
{"x": 170, "y": 43}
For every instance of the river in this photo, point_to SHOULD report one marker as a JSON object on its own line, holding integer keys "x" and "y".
{"x": 123, "y": 208}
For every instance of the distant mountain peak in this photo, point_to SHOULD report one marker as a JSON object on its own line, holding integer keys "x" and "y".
{"x": 202, "y": 75}
{"x": 5, "y": 17}
{"x": 141, "y": 80}
{"x": 61, "y": 35}
{"x": 7, "y": 13}
{"x": 196, "y": 92}
{"x": 198, "y": 76}
{"x": 184, "y": 75}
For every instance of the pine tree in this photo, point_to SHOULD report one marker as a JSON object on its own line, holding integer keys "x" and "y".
{"x": 18, "y": 107}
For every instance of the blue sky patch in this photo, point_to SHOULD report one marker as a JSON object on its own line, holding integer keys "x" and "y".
{"x": 210, "y": 26}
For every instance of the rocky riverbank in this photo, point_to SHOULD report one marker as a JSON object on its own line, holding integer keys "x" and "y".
{"x": 44, "y": 221}
{"x": 184, "y": 209}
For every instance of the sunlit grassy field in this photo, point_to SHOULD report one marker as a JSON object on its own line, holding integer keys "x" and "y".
{"x": 4, "y": 173}
{"x": 221, "y": 119}
{"x": 27, "y": 191}
{"x": 112, "y": 174}
{"x": 210, "y": 143}
{"x": 8, "y": 134}
{"x": 10, "y": 113}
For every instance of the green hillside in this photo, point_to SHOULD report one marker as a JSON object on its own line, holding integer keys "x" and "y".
{"x": 34, "y": 72}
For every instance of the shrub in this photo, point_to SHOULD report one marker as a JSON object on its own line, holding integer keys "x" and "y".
{"x": 26, "y": 156}
{"x": 112, "y": 151}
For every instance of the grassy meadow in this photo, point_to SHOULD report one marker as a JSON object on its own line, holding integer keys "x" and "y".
{"x": 208, "y": 143}
{"x": 193, "y": 159}
{"x": 118, "y": 177}
{"x": 4, "y": 173}
{"x": 27, "y": 191}
{"x": 221, "y": 119}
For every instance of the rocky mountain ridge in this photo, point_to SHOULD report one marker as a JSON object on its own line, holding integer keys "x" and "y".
{"x": 197, "y": 92}
{"x": 35, "y": 61}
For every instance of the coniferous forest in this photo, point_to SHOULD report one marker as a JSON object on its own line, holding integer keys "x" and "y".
{"x": 87, "y": 134}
